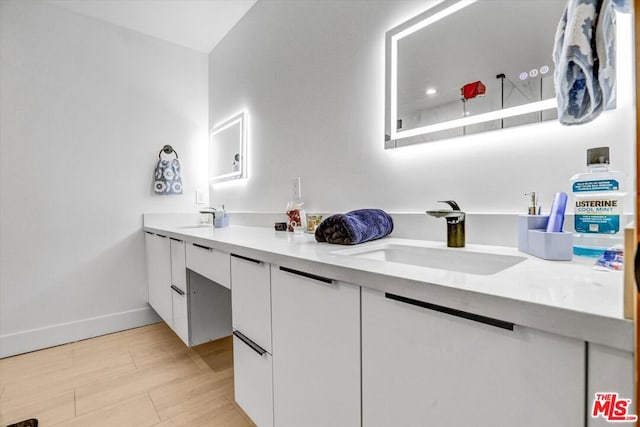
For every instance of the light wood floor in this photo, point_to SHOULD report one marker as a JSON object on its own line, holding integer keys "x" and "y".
{"x": 140, "y": 377}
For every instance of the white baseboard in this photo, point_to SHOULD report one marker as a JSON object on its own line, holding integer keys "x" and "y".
{"x": 63, "y": 333}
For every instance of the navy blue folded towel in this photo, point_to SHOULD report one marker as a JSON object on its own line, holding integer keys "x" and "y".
{"x": 355, "y": 227}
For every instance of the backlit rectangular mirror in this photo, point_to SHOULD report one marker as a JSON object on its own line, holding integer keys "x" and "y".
{"x": 227, "y": 149}
{"x": 464, "y": 67}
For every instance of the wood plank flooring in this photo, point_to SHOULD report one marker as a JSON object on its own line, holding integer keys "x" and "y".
{"x": 140, "y": 377}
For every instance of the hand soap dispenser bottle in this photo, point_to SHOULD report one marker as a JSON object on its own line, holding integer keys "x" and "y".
{"x": 534, "y": 209}
{"x": 532, "y": 221}
{"x": 598, "y": 197}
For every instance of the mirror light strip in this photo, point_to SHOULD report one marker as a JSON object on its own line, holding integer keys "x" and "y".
{"x": 534, "y": 107}
{"x": 228, "y": 175}
{"x": 433, "y": 18}
{"x": 223, "y": 125}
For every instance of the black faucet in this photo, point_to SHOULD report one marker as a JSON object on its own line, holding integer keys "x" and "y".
{"x": 455, "y": 223}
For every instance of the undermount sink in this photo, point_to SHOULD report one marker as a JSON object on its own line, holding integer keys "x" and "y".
{"x": 187, "y": 227}
{"x": 462, "y": 261}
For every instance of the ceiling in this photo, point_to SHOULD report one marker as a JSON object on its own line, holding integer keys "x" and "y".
{"x": 195, "y": 24}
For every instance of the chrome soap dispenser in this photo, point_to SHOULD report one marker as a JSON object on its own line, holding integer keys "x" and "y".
{"x": 534, "y": 209}
{"x": 532, "y": 221}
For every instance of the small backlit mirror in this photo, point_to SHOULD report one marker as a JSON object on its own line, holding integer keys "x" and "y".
{"x": 227, "y": 149}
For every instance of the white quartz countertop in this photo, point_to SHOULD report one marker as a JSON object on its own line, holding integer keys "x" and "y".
{"x": 565, "y": 297}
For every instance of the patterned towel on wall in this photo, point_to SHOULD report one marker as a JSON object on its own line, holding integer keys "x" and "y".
{"x": 584, "y": 56}
{"x": 167, "y": 178}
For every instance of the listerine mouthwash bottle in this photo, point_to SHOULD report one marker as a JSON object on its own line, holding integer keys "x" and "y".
{"x": 597, "y": 199}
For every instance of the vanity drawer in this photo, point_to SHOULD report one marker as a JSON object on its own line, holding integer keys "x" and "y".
{"x": 253, "y": 381}
{"x": 210, "y": 263}
{"x": 251, "y": 299}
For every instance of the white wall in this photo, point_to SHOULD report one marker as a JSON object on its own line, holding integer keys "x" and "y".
{"x": 311, "y": 75}
{"x": 84, "y": 109}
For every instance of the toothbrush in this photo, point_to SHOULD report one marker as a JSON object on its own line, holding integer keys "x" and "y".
{"x": 556, "y": 216}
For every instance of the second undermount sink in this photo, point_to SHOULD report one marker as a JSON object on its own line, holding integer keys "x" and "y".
{"x": 194, "y": 227}
{"x": 462, "y": 261}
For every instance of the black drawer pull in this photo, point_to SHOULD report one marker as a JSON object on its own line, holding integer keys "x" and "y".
{"x": 175, "y": 240}
{"x": 247, "y": 258}
{"x": 307, "y": 275}
{"x": 202, "y": 247}
{"x": 149, "y": 233}
{"x": 255, "y": 347}
{"x": 453, "y": 312}
{"x": 177, "y": 289}
{"x": 160, "y": 235}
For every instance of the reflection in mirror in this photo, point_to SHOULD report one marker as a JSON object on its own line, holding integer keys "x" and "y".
{"x": 227, "y": 154}
{"x": 464, "y": 67}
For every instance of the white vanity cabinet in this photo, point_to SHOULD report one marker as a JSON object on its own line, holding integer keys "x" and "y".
{"x": 252, "y": 356}
{"x": 311, "y": 351}
{"x": 158, "y": 254}
{"x": 316, "y": 350}
{"x": 168, "y": 289}
{"x": 192, "y": 304}
{"x": 424, "y": 364}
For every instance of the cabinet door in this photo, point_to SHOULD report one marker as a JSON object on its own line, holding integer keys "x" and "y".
{"x": 610, "y": 370}
{"x": 178, "y": 264}
{"x": 252, "y": 372}
{"x": 316, "y": 351}
{"x": 425, "y": 367}
{"x": 158, "y": 254}
{"x": 179, "y": 294}
{"x": 180, "y": 313}
{"x": 251, "y": 299}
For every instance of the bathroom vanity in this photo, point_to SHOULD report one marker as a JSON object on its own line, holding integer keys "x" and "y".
{"x": 367, "y": 335}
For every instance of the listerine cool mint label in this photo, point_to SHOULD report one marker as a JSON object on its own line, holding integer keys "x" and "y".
{"x": 597, "y": 215}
